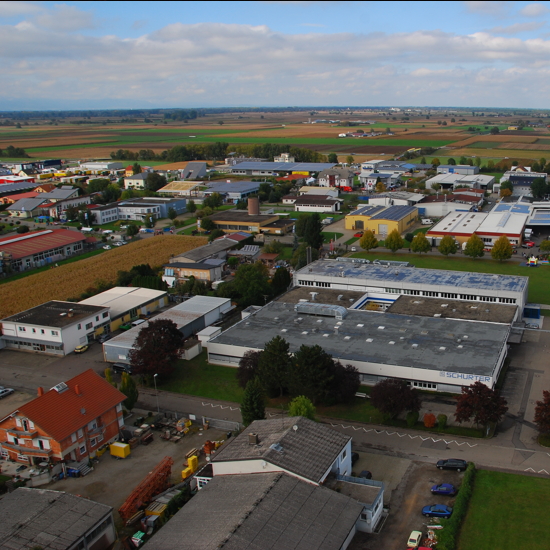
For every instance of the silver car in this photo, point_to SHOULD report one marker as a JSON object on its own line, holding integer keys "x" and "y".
{"x": 5, "y": 392}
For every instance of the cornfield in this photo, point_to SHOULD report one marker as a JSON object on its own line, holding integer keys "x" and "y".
{"x": 71, "y": 280}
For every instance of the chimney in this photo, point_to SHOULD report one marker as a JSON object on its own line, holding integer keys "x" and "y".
{"x": 253, "y": 206}
{"x": 77, "y": 390}
{"x": 70, "y": 313}
{"x": 253, "y": 439}
{"x": 40, "y": 391}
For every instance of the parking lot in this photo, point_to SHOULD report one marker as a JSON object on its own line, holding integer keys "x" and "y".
{"x": 406, "y": 492}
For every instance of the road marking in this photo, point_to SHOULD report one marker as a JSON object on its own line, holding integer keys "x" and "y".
{"x": 221, "y": 406}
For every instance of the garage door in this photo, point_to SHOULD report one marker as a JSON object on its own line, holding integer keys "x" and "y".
{"x": 382, "y": 228}
{"x": 359, "y": 224}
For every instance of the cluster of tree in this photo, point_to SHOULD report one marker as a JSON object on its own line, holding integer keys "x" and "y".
{"x": 310, "y": 372}
{"x": 14, "y": 152}
{"x": 251, "y": 285}
{"x": 481, "y": 404}
{"x": 193, "y": 286}
{"x": 157, "y": 349}
{"x": 125, "y": 278}
{"x": 127, "y": 387}
{"x": 309, "y": 227}
{"x": 181, "y": 114}
{"x": 149, "y": 281}
{"x": 273, "y": 190}
{"x": 196, "y": 151}
{"x": 83, "y": 215}
{"x": 271, "y": 150}
{"x": 107, "y": 191}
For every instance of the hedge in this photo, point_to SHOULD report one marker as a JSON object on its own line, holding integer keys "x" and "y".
{"x": 448, "y": 536}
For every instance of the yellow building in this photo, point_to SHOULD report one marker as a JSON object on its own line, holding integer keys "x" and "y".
{"x": 128, "y": 303}
{"x": 382, "y": 220}
{"x": 513, "y": 128}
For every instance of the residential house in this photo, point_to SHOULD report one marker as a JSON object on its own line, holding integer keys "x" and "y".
{"x": 389, "y": 180}
{"x": 45, "y": 188}
{"x": 39, "y": 518}
{"x": 336, "y": 177}
{"x": 179, "y": 272}
{"x": 193, "y": 170}
{"x": 71, "y": 421}
{"x": 135, "y": 181}
{"x": 11, "y": 199}
{"x": 317, "y": 203}
{"x": 54, "y": 327}
{"x": 284, "y": 157}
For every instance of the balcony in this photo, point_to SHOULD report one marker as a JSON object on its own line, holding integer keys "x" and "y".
{"x": 99, "y": 430}
{"x": 22, "y": 433}
{"x": 22, "y": 450}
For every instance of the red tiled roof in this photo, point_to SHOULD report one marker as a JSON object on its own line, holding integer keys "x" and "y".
{"x": 470, "y": 190}
{"x": 19, "y": 196}
{"x": 465, "y": 198}
{"x": 46, "y": 187}
{"x": 62, "y": 414}
{"x": 39, "y": 242}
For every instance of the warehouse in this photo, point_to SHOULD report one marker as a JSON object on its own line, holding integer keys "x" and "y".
{"x": 240, "y": 220}
{"x": 439, "y": 354}
{"x": 383, "y": 284}
{"x": 190, "y": 317}
{"x": 274, "y": 168}
{"x": 127, "y": 303}
{"x": 380, "y": 220}
{"x": 234, "y": 191}
{"x": 464, "y": 169}
{"x": 317, "y": 203}
{"x": 101, "y": 166}
{"x": 42, "y": 247}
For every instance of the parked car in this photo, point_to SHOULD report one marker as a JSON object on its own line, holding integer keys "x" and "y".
{"x": 125, "y": 326}
{"x": 121, "y": 367}
{"x": 365, "y": 474}
{"x": 531, "y": 325}
{"x": 354, "y": 249}
{"x": 21, "y": 468}
{"x": 354, "y": 458}
{"x": 4, "y": 392}
{"x": 452, "y": 464}
{"x": 444, "y": 489}
{"x": 107, "y": 247}
{"x": 437, "y": 511}
{"x": 81, "y": 349}
{"x": 358, "y": 234}
{"x": 528, "y": 244}
{"x": 104, "y": 337}
{"x": 414, "y": 539}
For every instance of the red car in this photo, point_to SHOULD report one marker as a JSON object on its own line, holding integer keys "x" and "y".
{"x": 359, "y": 234}
{"x": 528, "y": 244}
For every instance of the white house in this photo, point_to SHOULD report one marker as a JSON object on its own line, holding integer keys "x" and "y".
{"x": 336, "y": 177}
{"x": 54, "y": 328}
{"x": 137, "y": 181}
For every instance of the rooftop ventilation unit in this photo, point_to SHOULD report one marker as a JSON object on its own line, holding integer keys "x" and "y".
{"x": 61, "y": 387}
{"x": 381, "y": 327}
{"x": 326, "y": 310}
{"x": 460, "y": 346}
{"x": 277, "y": 447}
{"x": 369, "y": 340}
{"x": 391, "y": 342}
{"x": 347, "y": 337}
{"x": 415, "y": 346}
{"x": 442, "y": 348}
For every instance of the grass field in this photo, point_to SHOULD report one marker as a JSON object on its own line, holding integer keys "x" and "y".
{"x": 327, "y": 235}
{"x": 507, "y": 512}
{"x": 539, "y": 290}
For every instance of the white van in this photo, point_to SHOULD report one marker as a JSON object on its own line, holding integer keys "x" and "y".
{"x": 138, "y": 322}
{"x": 426, "y": 221}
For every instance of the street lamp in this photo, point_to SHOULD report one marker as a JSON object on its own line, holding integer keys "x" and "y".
{"x": 156, "y": 391}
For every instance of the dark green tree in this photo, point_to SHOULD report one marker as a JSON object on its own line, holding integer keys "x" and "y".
{"x": 539, "y": 188}
{"x": 129, "y": 389}
{"x": 313, "y": 232}
{"x": 207, "y": 224}
{"x": 253, "y": 403}
{"x": 274, "y": 366}
{"x": 216, "y": 234}
{"x": 249, "y": 366}
{"x": 281, "y": 280}
{"x": 251, "y": 285}
{"x": 136, "y": 168}
{"x": 155, "y": 181}
{"x": 132, "y": 230}
{"x": 333, "y": 158}
{"x": 172, "y": 214}
{"x": 191, "y": 206}
{"x": 300, "y": 225}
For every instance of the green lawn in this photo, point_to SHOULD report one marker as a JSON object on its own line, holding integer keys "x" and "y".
{"x": 507, "y": 512}
{"x": 197, "y": 377}
{"x": 327, "y": 235}
{"x": 286, "y": 254}
{"x": 352, "y": 240}
{"x": 539, "y": 289}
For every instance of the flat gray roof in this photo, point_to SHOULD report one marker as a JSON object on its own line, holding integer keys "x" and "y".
{"x": 488, "y": 312}
{"x": 38, "y": 518}
{"x": 55, "y": 313}
{"x": 308, "y": 451}
{"x": 284, "y": 166}
{"x": 203, "y": 252}
{"x": 379, "y": 275}
{"x": 260, "y": 511}
{"x": 426, "y": 343}
{"x": 233, "y": 187}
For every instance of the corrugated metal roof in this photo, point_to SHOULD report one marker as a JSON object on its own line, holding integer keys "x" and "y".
{"x": 40, "y": 242}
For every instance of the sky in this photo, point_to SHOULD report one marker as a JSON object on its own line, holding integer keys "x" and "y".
{"x": 103, "y": 55}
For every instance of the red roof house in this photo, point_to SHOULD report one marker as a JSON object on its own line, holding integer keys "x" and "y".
{"x": 69, "y": 422}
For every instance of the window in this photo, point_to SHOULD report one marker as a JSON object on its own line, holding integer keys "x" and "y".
{"x": 93, "y": 442}
{"x": 22, "y": 329}
{"x": 79, "y": 327}
{"x": 34, "y": 330}
{"x": 82, "y": 449}
{"x": 344, "y": 454}
{"x": 80, "y": 434}
{"x": 55, "y": 333}
{"x": 73, "y": 438}
{"x": 41, "y": 331}
{"x": 97, "y": 318}
{"x": 89, "y": 325}
{"x": 105, "y": 314}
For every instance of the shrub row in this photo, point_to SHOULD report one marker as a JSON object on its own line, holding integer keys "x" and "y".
{"x": 448, "y": 536}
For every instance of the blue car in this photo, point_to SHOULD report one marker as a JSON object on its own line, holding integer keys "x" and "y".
{"x": 445, "y": 489}
{"x": 437, "y": 511}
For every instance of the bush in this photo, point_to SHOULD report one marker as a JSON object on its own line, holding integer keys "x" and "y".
{"x": 442, "y": 421}
{"x": 23, "y": 229}
{"x": 412, "y": 419}
{"x": 429, "y": 420}
{"x": 409, "y": 237}
{"x": 17, "y": 222}
{"x": 448, "y": 536}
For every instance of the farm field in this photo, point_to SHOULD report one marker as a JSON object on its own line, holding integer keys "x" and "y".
{"x": 508, "y": 512}
{"x": 71, "y": 280}
{"x": 539, "y": 291}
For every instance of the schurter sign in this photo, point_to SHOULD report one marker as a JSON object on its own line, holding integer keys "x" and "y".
{"x": 459, "y": 377}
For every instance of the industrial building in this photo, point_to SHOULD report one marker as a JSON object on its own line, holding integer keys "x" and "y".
{"x": 317, "y": 203}
{"x": 127, "y": 303}
{"x": 464, "y": 169}
{"x": 431, "y": 352}
{"x": 234, "y": 191}
{"x": 39, "y": 518}
{"x": 275, "y": 168}
{"x": 451, "y": 180}
{"x": 190, "y": 317}
{"x": 40, "y": 248}
{"x": 489, "y": 227}
{"x": 55, "y": 327}
{"x": 384, "y": 284}
{"x": 381, "y": 220}
{"x": 101, "y": 166}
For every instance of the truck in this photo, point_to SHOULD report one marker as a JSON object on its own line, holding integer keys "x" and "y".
{"x": 327, "y": 221}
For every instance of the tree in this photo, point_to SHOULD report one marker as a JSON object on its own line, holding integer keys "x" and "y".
{"x": 172, "y": 214}
{"x": 23, "y": 229}
{"x": 423, "y": 160}
{"x": 392, "y": 396}
{"x": 545, "y": 246}
{"x": 462, "y": 160}
{"x": 349, "y": 160}
{"x": 451, "y": 162}
{"x": 132, "y": 230}
{"x": 380, "y": 187}
{"x": 157, "y": 348}
{"x": 539, "y": 188}
{"x": 474, "y": 247}
{"x": 313, "y": 231}
{"x": 435, "y": 162}
{"x": 191, "y": 206}
{"x": 506, "y": 184}
{"x": 302, "y": 406}
{"x": 253, "y": 403}
{"x": 368, "y": 241}
{"x": 477, "y": 162}
{"x": 333, "y": 158}
{"x": 129, "y": 389}
{"x": 502, "y": 249}
{"x": 542, "y": 413}
{"x": 136, "y": 168}
{"x": 299, "y": 258}
{"x": 248, "y": 367}
{"x": 504, "y": 192}
{"x": 447, "y": 246}
{"x": 495, "y": 130}
{"x": 300, "y": 224}
{"x": 274, "y": 366}
{"x": 109, "y": 377}
{"x": 420, "y": 243}
{"x": 312, "y": 373}
{"x": 394, "y": 241}
{"x": 207, "y": 224}
{"x": 345, "y": 383}
{"x": 216, "y": 234}
{"x": 480, "y": 403}
{"x": 155, "y": 181}
{"x": 251, "y": 285}
{"x": 281, "y": 280}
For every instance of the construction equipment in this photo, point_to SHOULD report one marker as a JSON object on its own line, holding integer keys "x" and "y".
{"x": 156, "y": 482}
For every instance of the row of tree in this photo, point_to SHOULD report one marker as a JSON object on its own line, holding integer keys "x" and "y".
{"x": 310, "y": 372}
{"x": 14, "y": 152}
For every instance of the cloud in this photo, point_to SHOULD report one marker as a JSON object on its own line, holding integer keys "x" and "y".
{"x": 229, "y": 64}
{"x": 488, "y": 7}
{"x": 139, "y": 24}
{"x": 518, "y": 28}
{"x": 65, "y": 18}
{"x": 534, "y": 10}
{"x": 13, "y": 9}
{"x": 312, "y": 25}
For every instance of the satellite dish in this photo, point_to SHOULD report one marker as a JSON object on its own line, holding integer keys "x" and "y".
{"x": 295, "y": 428}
